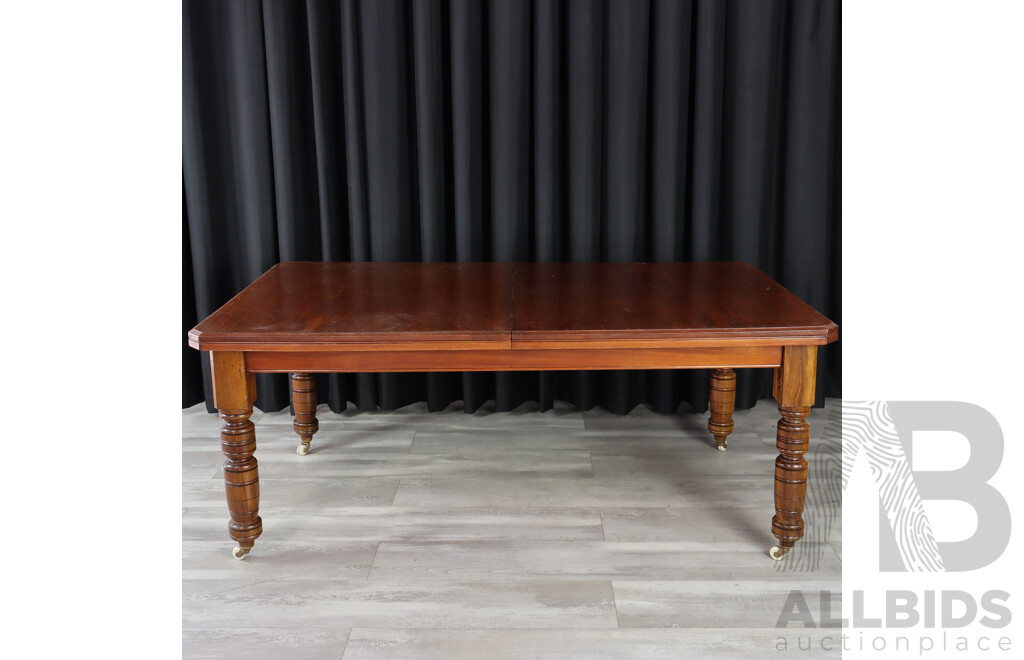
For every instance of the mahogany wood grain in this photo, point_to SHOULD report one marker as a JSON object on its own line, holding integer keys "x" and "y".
{"x": 514, "y": 359}
{"x": 794, "y": 380}
{"x": 304, "y": 402}
{"x": 794, "y": 391}
{"x": 678, "y": 342}
{"x": 631, "y": 301}
{"x": 723, "y": 400}
{"x": 379, "y": 303}
{"x": 310, "y": 317}
{"x": 234, "y": 391}
{"x": 372, "y": 347}
{"x": 472, "y": 306}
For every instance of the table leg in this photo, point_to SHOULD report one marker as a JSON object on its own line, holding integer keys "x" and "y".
{"x": 723, "y": 399}
{"x": 794, "y": 391}
{"x": 233, "y": 393}
{"x": 304, "y": 401}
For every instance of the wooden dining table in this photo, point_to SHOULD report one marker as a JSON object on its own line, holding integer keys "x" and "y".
{"x": 305, "y": 318}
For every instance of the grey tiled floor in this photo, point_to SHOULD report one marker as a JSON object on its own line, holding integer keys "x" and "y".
{"x": 563, "y": 534}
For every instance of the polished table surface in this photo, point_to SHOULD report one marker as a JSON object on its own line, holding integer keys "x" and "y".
{"x": 504, "y": 305}
{"x": 308, "y": 317}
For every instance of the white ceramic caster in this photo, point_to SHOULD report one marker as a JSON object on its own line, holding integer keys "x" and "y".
{"x": 302, "y": 449}
{"x": 240, "y": 553}
{"x": 722, "y": 447}
{"x": 777, "y": 553}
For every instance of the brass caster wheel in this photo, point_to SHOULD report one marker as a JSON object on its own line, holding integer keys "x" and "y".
{"x": 302, "y": 449}
{"x": 722, "y": 447}
{"x": 778, "y": 553}
{"x": 240, "y": 553}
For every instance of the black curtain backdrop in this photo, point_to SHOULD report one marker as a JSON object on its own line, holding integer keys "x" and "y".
{"x": 510, "y": 130}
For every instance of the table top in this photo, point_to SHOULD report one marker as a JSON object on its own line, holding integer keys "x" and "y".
{"x": 364, "y": 306}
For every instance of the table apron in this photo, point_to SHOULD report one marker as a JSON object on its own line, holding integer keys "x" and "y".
{"x": 512, "y": 359}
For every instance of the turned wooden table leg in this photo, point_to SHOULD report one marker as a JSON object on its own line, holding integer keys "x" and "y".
{"x": 723, "y": 399}
{"x": 794, "y": 391}
{"x": 304, "y": 401}
{"x": 233, "y": 393}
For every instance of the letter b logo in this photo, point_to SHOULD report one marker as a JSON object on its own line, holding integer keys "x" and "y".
{"x": 968, "y": 484}
{"x": 883, "y": 431}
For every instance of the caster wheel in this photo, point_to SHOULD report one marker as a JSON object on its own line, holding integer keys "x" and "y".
{"x": 302, "y": 449}
{"x": 777, "y": 553}
{"x": 722, "y": 447}
{"x": 240, "y": 553}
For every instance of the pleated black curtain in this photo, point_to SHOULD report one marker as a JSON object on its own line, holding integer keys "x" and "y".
{"x": 510, "y": 130}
